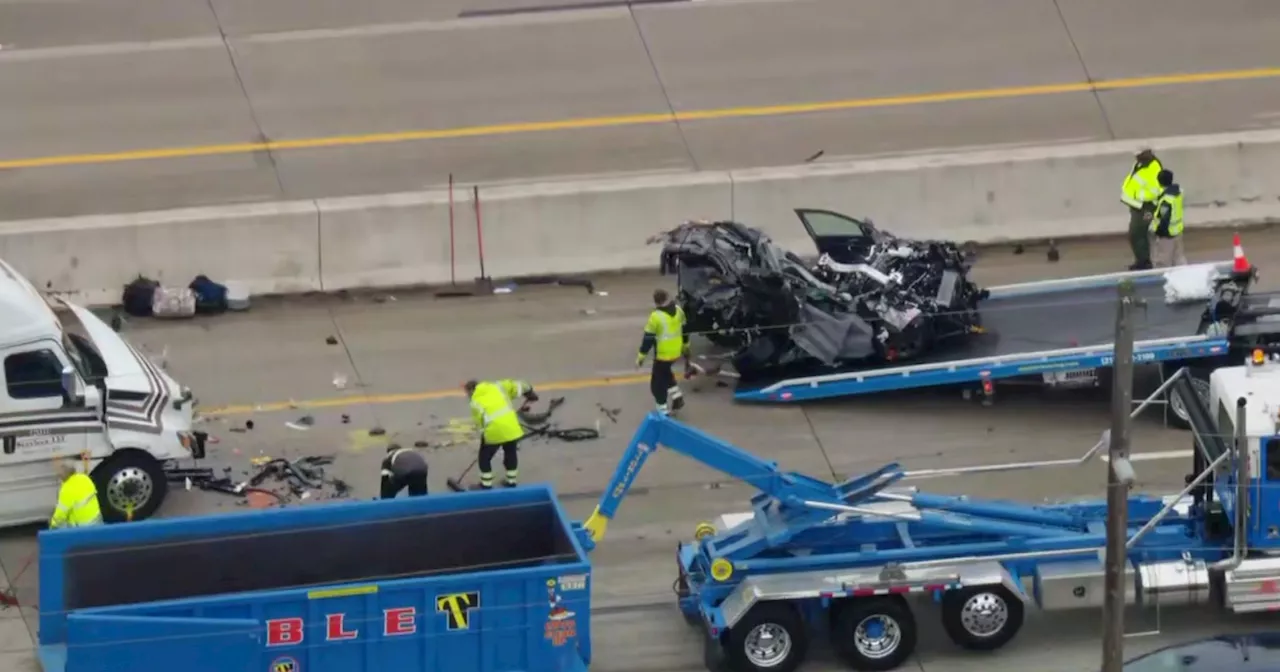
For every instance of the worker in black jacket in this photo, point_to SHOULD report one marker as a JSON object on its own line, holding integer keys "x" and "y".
{"x": 403, "y": 468}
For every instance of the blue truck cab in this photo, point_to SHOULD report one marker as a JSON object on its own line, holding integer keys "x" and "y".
{"x": 473, "y": 582}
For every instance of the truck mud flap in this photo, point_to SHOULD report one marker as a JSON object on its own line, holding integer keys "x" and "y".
{"x": 109, "y": 643}
{"x": 713, "y": 657}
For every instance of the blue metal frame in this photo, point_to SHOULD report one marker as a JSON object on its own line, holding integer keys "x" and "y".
{"x": 871, "y": 380}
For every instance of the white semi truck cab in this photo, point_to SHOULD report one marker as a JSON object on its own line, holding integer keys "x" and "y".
{"x": 74, "y": 389}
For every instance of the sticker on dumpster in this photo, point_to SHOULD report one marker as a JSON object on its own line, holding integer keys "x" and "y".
{"x": 573, "y": 582}
{"x": 561, "y": 625}
{"x": 457, "y": 608}
{"x": 285, "y": 664}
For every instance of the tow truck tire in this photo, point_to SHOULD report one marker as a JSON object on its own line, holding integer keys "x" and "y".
{"x": 130, "y": 474}
{"x": 772, "y": 637}
{"x": 1200, "y": 383}
{"x": 981, "y": 618}
{"x": 874, "y": 634}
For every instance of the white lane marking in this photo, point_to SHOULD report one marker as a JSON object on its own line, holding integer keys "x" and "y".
{"x": 1157, "y": 455}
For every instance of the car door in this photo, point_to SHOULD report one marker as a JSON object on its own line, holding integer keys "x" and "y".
{"x": 842, "y": 237}
{"x": 37, "y": 426}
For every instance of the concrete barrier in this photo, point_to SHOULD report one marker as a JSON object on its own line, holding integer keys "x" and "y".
{"x": 585, "y": 226}
{"x": 269, "y": 247}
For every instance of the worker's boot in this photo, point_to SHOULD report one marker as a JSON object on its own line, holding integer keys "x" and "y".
{"x": 676, "y": 398}
{"x": 662, "y": 408}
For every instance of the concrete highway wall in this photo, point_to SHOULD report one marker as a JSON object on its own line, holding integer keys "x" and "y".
{"x": 601, "y": 224}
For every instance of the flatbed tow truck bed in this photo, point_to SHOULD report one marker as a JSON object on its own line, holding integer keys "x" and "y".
{"x": 1041, "y": 329}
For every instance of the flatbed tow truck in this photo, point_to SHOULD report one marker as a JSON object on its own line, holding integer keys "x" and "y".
{"x": 501, "y": 581}
{"x": 1059, "y": 333}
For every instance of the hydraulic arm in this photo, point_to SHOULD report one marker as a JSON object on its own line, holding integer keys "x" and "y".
{"x": 790, "y": 503}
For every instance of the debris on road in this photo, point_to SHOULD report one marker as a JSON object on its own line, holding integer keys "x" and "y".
{"x": 271, "y": 481}
{"x": 331, "y": 340}
{"x": 611, "y": 413}
{"x": 538, "y": 425}
{"x": 302, "y": 424}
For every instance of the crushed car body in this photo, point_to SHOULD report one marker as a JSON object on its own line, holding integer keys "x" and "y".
{"x": 872, "y": 297}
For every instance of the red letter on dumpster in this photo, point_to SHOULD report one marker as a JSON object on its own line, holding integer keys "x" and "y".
{"x": 336, "y": 629}
{"x": 398, "y": 621}
{"x": 284, "y": 631}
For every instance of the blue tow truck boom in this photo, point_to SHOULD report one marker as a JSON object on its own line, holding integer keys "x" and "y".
{"x": 850, "y": 556}
{"x": 1059, "y": 333}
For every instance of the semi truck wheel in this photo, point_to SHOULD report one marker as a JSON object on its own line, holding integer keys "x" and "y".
{"x": 874, "y": 634}
{"x": 981, "y": 618}
{"x": 771, "y": 638}
{"x": 131, "y": 486}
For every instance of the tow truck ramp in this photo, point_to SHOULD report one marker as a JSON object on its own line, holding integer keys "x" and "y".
{"x": 1043, "y": 329}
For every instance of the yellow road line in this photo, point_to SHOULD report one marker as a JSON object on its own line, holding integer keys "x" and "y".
{"x": 642, "y": 119}
{"x": 356, "y": 400}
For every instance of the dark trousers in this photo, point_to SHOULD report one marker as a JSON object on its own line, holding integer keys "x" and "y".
{"x": 510, "y": 462}
{"x": 1139, "y": 238}
{"x": 415, "y": 481}
{"x": 662, "y": 384}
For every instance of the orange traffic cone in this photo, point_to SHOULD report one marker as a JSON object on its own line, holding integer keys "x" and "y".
{"x": 1237, "y": 251}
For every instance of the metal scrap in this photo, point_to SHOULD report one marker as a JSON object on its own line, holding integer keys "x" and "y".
{"x": 304, "y": 478}
{"x": 538, "y": 425}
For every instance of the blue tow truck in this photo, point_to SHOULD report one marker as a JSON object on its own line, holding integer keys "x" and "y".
{"x": 501, "y": 581}
{"x": 1059, "y": 333}
{"x": 845, "y": 560}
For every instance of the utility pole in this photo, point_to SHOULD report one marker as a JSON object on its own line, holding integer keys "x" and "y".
{"x": 1119, "y": 478}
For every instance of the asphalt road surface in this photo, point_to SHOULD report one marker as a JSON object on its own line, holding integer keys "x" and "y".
{"x": 400, "y": 359}
{"x": 146, "y": 104}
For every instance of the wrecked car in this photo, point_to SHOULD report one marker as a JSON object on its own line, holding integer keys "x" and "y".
{"x": 870, "y": 297}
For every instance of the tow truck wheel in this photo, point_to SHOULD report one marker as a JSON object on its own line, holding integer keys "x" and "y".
{"x": 981, "y": 618}
{"x": 770, "y": 638}
{"x": 874, "y": 634}
{"x": 129, "y": 481}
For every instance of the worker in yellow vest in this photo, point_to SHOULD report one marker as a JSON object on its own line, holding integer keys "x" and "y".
{"x": 1166, "y": 224}
{"x": 77, "y": 499}
{"x": 1139, "y": 192}
{"x": 500, "y": 429}
{"x": 664, "y": 334}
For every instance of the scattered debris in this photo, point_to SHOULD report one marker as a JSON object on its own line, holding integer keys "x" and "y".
{"x": 331, "y": 340}
{"x": 273, "y": 481}
{"x": 339, "y": 381}
{"x": 538, "y": 425}
{"x": 504, "y": 290}
{"x": 302, "y": 424}
{"x": 248, "y": 424}
{"x": 346, "y": 419}
{"x": 611, "y": 413}
{"x": 420, "y": 444}
{"x": 1019, "y": 249}
{"x": 1053, "y": 254}
{"x": 602, "y": 293}
{"x": 588, "y": 311}
{"x": 377, "y": 431}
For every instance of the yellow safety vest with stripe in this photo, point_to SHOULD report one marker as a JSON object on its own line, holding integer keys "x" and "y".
{"x": 77, "y": 503}
{"x": 1141, "y": 186}
{"x": 494, "y": 417}
{"x": 514, "y": 389}
{"x": 1174, "y": 201}
{"x": 668, "y": 331}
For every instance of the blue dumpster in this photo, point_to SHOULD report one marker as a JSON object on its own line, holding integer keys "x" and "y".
{"x": 472, "y": 582}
